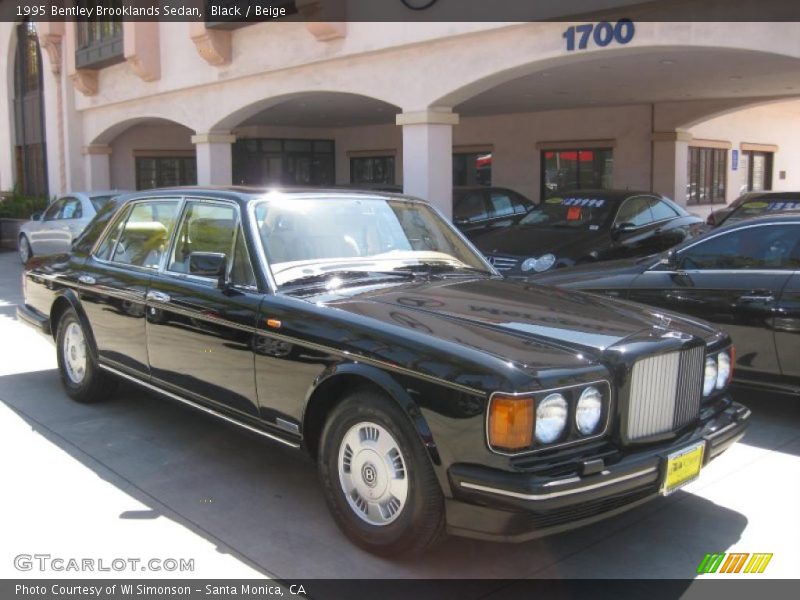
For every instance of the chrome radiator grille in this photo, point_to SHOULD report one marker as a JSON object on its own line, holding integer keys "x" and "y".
{"x": 665, "y": 392}
{"x": 502, "y": 263}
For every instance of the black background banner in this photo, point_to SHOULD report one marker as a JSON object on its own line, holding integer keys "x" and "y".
{"x": 231, "y": 13}
{"x": 408, "y": 589}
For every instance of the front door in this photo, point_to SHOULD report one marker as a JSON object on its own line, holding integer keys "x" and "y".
{"x": 734, "y": 280}
{"x": 787, "y": 324}
{"x": 200, "y": 329}
{"x": 41, "y": 235}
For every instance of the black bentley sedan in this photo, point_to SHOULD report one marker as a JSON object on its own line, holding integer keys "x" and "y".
{"x": 362, "y": 328}
{"x": 587, "y": 226}
{"x": 745, "y": 278}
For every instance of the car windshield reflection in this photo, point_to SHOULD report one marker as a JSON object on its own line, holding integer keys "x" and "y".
{"x": 311, "y": 240}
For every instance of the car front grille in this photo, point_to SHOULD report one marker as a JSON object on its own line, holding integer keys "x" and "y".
{"x": 665, "y": 392}
{"x": 502, "y": 263}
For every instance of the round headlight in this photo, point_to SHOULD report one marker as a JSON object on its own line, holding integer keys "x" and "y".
{"x": 551, "y": 418}
{"x": 723, "y": 369}
{"x": 710, "y": 379}
{"x": 589, "y": 411}
{"x": 544, "y": 262}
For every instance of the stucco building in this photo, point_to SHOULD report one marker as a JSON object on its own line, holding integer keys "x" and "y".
{"x": 697, "y": 111}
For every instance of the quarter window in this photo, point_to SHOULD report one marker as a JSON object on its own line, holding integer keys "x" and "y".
{"x": 146, "y": 233}
{"x": 661, "y": 210}
{"x": 205, "y": 227}
{"x": 767, "y": 247}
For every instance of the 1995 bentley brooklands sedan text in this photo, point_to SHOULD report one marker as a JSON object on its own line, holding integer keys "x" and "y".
{"x": 363, "y": 328}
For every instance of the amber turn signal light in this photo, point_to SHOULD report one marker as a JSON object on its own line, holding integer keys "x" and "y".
{"x": 511, "y": 422}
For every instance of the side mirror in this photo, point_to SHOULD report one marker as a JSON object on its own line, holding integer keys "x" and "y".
{"x": 36, "y": 217}
{"x": 208, "y": 264}
{"x": 670, "y": 259}
{"x": 621, "y": 228}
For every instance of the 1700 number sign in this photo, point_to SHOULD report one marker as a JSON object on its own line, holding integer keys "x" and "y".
{"x": 602, "y": 34}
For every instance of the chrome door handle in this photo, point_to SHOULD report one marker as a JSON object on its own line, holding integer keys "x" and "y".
{"x": 87, "y": 280}
{"x": 158, "y": 297}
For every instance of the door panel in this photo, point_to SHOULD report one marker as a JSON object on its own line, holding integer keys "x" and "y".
{"x": 787, "y": 327}
{"x": 42, "y": 236}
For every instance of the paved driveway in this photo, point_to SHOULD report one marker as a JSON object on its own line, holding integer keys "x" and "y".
{"x": 145, "y": 478}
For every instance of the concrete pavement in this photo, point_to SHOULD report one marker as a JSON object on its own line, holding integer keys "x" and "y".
{"x": 143, "y": 477}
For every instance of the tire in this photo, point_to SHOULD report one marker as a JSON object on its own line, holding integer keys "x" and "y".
{"x": 24, "y": 249}
{"x": 372, "y": 427}
{"x": 80, "y": 375}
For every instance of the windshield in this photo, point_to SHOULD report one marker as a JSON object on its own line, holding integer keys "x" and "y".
{"x": 100, "y": 201}
{"x": 308, "y": 238}
{"x": 578, "y": 213}
{"x": 754, "y": 208}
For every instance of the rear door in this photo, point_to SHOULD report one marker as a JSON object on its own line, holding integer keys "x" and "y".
{"x": 41, "y": 236}
{"x": 200, "y": 335}
{"x": 116, "y": 276}
{"x": 734, "y": 280}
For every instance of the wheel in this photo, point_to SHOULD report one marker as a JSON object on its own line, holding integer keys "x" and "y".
{"x": 24, "y": 249}
{"x": 82, "y": 378}
{"x": 378, "y": 481}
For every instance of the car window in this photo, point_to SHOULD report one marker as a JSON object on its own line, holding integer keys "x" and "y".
{"x": 521, "y": 204}
{"x": 99, "y": 201}
{"x": 146, "y": 233}
{"x": 767, "y": 247}
{"x": 71, "y": 209}
{"x": 470, "y": 208}
{"x": 635, "y": 211}
{"x": 577, "y": 212}
{"x": 52, "y": 211}
{"x": 502, "y": 205}
{"x": 758, "y": 207}
{"x": 205, "y": 227}
{"x": 661, "y": 210}
{"x": 242, "y": 274}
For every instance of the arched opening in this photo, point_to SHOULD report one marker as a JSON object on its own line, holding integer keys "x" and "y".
{"x": 148, "y": 152}
{"x": 315, "y": 139}
{"x": 30, "y": 151}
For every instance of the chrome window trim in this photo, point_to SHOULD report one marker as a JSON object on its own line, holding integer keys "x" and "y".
{"x": 544, "y": 392}
{"x": 715, "y": 236}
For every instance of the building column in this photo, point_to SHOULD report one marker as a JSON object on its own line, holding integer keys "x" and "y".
{"x": 428, "y": 156}
{"x": 670, "y": 159}
{"x": 214, "y": 160}
{"x": 98, "y": 167}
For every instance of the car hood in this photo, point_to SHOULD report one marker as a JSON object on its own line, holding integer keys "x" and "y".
{"x": 533, "y": 241}
{"x": 619, "y": 272}
{"x": 521, "y": 322}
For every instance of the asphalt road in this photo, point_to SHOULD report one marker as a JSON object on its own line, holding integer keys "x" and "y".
{"x": 142, "y": 477}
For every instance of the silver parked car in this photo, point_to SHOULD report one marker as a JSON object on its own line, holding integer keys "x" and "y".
{"x": 52, "y": 231}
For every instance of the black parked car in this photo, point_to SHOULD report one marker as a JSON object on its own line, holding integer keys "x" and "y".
{"x": 478, "y": 209}
{"x": 434, "y": 395}
{"x": 744, "y": 278}
{"x": 587, "y": 226}
{"x": 759, "y": 204}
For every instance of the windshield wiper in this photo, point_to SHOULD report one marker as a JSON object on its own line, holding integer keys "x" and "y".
{"x": 344, "y": 275}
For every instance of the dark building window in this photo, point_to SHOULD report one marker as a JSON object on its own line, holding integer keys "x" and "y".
{"x": 99, "y": 43}
{"x": 165, "y": 171}
{"x": 758, "y": 170}
{"x": 707, "y": 171}
{"x": 30, "y": 151}
{"x": 265, "y": 161}
{"x": 576, "y": 169}
{"x": 372, "y": 169}
{"x": 472, "y": 168}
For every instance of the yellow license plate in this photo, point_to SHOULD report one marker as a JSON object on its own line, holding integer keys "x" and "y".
{"x": 683, "y": 466}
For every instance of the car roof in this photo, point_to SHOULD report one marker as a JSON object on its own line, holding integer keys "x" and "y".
{"x": 246, "y": 193}
{"x": 95, "y": 193}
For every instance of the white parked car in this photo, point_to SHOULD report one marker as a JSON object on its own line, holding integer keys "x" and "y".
{"x": 52, "y": 231}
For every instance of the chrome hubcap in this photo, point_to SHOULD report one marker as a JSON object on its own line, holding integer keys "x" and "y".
{"x": 372, "y": 472}
{"x": 75, "y": 353}
{"x": 24, "y": 250}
